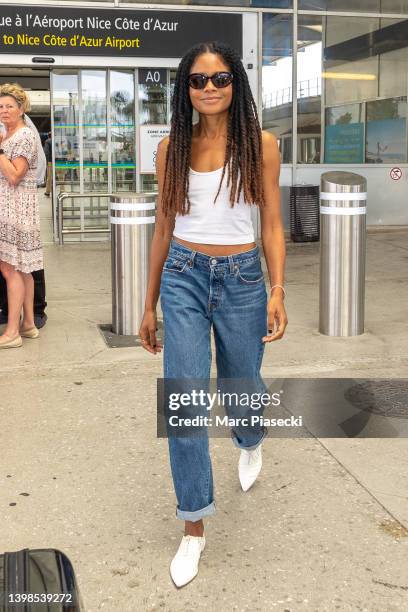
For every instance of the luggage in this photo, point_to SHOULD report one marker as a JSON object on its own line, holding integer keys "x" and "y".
{"x": 38, "y": 581}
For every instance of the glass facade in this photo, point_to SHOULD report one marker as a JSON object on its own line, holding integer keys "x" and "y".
{"x": 94, "y": 130}
{"x": 350, "y": 99}
{"x": 351, "y": 108}
{"x": 122, "y": 125}
{"x": 66, "y": 129}
{"x": 276, "y": 4}
{"x": 332, "y": 92}
{"x": 153, "y": 110}
{"x": 107, "y": 123}
{"x": 277, "y": 65}
{"x": 350, "y": 6}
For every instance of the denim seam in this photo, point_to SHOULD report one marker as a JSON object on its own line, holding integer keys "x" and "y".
{"x": 241, "y": 278}
{"x": 258, "y": 363}
{"x": 176, "y": 269}
{"x": 236, "y": 259}
{"x": 249, "y": 282}
{"x": 207, "y": 484}
{"x": 209, "y": 457}
{"x": 185, "y": 251}
{"x": 177, "y": 254}
{"x": 258, "y": 368}
{"x": 206, "y": 266}
{"x": 264, "y": 429}
{"x": 249, "y": 260}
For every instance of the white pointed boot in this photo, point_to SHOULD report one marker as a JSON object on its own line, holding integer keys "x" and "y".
{"x": 249, "y": 466}
{"x": 184, "y": 566}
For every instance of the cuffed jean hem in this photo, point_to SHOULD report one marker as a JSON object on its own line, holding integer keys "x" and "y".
{"x": 197, "y": 515}
{"x": 254, "y": 446}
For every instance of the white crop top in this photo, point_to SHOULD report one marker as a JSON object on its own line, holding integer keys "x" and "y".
{"x": 210, "y": 223}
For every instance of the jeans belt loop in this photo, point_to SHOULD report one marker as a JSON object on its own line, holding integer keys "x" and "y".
{"x": 231, "y": 264}
{"x": 191, "y": 258}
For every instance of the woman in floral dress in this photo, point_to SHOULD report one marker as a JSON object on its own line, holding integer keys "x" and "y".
{"x": 20, "y": 245}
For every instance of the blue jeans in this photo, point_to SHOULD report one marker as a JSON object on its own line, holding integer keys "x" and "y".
{"x": 199, "y": 291}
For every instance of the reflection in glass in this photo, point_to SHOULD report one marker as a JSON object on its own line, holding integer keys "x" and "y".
{"x": 153, "y": 110}
{"x": 309, "y": 59}
{"x": 153, "y": 103}
{"x": 122, "y": 130}
{"x": 361, "y": 62}
{"x": 350, "y": 62}
{"x": 386, "y": 141}
{"x": 94, "y": 130}
{"x": 344, "y": 5}
{"x": 148, "y": 182}
{"x": 66, "y": 133}
{"x": 253, "y": 3}
{"x": 277, "y": 80}
{"x": 363, "y": 6}
{"x": 172, "y": 84}
{"x": 393, "y": 64}
{"x": 344, "y": 135}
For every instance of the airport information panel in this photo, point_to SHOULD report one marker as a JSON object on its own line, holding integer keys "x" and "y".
{"x": 109, "y": 32}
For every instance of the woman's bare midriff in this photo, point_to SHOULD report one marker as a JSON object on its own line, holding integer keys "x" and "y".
{"x": 217, "y": 249}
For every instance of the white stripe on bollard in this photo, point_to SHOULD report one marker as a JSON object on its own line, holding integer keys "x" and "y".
{"x": 339, "y": 210}
{"x": 132, "y": 220}
{"x": 130, "y": 206}
{"x": 328, "y": 195}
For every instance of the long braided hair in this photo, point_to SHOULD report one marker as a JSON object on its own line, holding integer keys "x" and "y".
{"x": 243, "y": 155}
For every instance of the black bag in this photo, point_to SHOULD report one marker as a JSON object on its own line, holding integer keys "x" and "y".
{"x": 38, "y": 581}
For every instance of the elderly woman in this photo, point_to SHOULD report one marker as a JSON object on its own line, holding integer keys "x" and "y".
{"x": 20, "y": 246}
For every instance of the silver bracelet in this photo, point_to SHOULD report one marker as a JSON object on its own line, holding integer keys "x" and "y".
{"x": 283, "y": 289}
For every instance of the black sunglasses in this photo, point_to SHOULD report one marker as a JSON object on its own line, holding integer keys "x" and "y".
{"x": 198, "y": 80}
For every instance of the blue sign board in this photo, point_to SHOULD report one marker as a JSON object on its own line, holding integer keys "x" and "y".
{"x": 344, "y": 144}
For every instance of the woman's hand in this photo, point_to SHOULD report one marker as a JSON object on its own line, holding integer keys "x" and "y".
{"x": 277, "y": 319}
{"x": 147, "y": 332}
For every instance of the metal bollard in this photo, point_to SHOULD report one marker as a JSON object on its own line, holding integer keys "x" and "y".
{"x": 132, "y": 220}
{"x": 343, "y": 197}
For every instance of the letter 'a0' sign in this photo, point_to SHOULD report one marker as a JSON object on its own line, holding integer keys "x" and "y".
{"x": 152, "y": 76}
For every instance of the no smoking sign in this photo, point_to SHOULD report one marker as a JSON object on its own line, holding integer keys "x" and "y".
{"x": 395, "y": 174}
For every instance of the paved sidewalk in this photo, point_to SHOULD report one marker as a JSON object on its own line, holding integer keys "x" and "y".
{"x": 324, "y": 529}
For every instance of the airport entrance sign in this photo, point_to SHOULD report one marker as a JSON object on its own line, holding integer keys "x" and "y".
{"x": 110, "y": 32}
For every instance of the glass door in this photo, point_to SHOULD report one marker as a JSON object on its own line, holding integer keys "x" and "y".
{"x": 65, "y": 114}
{"x": 106, "y": 126}
{"x": 94, "y": 130}
{"x": 154, "y": 118}
{"x": 122, "y": 130}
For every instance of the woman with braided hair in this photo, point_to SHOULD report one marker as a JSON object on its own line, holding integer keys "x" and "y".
{"x": 206, "y": 267}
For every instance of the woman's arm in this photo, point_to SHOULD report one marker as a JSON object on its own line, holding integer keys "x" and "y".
{"x": 163, "y": 233}
{"x": 15, "y": 170}
{"x": 273, "y": 239}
